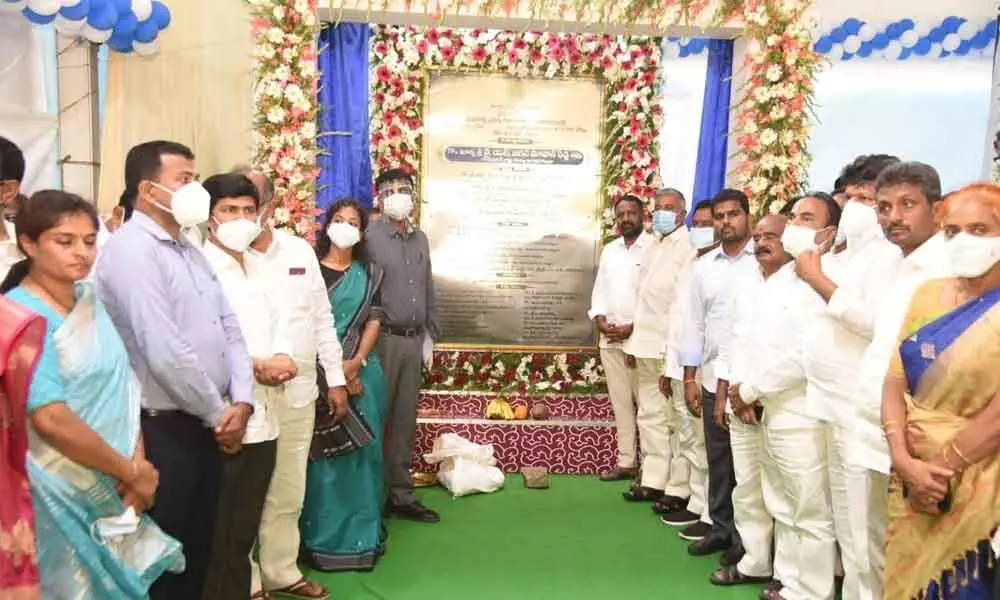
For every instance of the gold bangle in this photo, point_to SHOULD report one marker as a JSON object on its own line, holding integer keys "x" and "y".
{"x": 888, "y": 424}
{"x": 959, "y": 454}
{"x": 890, "y": 431}
{"x": 944, "y": 458}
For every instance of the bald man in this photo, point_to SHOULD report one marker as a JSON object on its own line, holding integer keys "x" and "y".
{"x": 306, "y": 322}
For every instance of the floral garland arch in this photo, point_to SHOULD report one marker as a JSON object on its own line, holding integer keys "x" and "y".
{"x": 629, "y": 68}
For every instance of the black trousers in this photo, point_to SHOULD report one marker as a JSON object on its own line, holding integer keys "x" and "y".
{"x": 245, "y": 479}
{"x": 185, "y": 453}
{"x": 721, "y": 476}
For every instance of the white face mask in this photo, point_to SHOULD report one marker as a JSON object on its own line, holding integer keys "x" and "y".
{"x": 237, "y": 235}
{"x": 189, "y": 204}
{"x": 858, "y": 222}
{"x": 398, "y": 206}
{"x": 702, "y": 237}
{"x": 972, "y": 255}
{"x": 11, "y": 232}
{"x": 343, "y": 235}
{"x": 798, "y": 239}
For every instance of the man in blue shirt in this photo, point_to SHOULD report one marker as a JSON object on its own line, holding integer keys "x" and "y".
{"x": 185, "y": 346}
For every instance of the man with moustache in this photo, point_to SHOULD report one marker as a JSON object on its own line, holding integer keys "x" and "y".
{"x": 758, "y": 314}
{"x": 612, "y": 308}
{"x": 907, "y": 195}
{"x": 664, "y": 473}
{"x": 690, "y": 435}
{"x": 793, "y": 445}
{"x": 708, "y": 326}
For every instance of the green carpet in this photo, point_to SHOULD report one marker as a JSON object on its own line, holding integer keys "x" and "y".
{"x": 577, "y": 540}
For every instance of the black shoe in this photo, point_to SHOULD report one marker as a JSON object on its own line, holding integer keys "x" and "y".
{"x": 638, "y": 493}
{"x": 695, "y": 532}
{"x": 670, "y": 504}
{"x": 732, "y": 556}
{"x": 414, "y": 511}
{"x": 619, "y": 474}
{"x": 709, "y": 544}
{"x": 680, "y": 518}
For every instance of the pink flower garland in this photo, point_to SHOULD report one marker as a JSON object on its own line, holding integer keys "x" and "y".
{"x": 629, "y": 67}
{"x": 285, "y": 97}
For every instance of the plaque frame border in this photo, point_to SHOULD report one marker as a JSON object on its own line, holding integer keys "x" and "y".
{"x": 426, "y": 73}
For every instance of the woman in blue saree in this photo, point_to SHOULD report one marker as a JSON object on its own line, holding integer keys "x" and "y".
{"x": 341, "y": 521}
{"x": 941, "y": 416}
{"x": 89, "y": 478}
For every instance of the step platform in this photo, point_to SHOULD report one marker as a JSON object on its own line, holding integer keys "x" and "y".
{"x": 577, "y": 439}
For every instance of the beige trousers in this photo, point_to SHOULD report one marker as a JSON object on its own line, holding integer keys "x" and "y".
{"x": 279, "y": 525}
{"x": 622, "y": 388}
{"x": 663, "y": 468}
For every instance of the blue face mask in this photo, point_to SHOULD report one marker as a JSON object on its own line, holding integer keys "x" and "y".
{"x": 664, "y": 221}
{"x": 702, "y": 237}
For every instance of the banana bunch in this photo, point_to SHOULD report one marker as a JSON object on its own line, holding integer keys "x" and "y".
{"x": 499, "y": 410}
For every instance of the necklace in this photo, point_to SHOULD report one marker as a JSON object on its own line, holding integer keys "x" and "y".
{"x": 47, "y": 295}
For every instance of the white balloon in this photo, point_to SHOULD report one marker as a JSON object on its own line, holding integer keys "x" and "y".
{"x": 852, "y": 44}
{"x": 45, "y": 7}
{"x": 146, "y": 49}
{"x": 935, "y": 51}
{"x": 909, "y": 39}
{"x": 893, "y": 50}
{"x": 142, "y": 9}
{"x": 967, "y": 31}
{"x": 867, "y": 32}
{"x": 951, "y": 42}
{"x": 836, "y": 52}
{"x": 69, "y": 27}
{"x": 671, "y": 50}
{"x": 98, "y": 36}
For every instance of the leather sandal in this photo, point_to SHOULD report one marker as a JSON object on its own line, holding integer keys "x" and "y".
{"x": 302, "y": 589}
{"x": 727, "y": 576}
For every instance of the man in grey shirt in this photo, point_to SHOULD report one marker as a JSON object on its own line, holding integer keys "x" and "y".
{"x": 402, "y": 251}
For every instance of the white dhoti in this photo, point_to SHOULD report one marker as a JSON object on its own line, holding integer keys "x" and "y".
{"x": 754, "y": 524}
{"x": 690, "y": 441}
{"x": 869, "y": 489}
{"x": 622, "y": 389}
{"x": 841, "y": 474}
{"x": 795, "y": 488}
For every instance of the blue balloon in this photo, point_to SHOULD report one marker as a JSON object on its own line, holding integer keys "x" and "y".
{"x": 838, "y": 35}
{"x": 146, "y": 31}
{"x": 126, "y": 24}
{"x": 684, "y": 53}
{"x": 937, "y": 34}
{"x": 981, "y": 40}
{"x": 36, "y": 18}
{"x": 160, "y": 15}
{"x": 907, "y": 24}
{"x": 123, "y": 47}
{"x": 96, "y": 5}
{"x": 951, "y": 24}
{"x": 963, "y": 48}
{"x": 851, "y": 26}
{"x": 122, "y": 5}
{"x": 880, "y": 41}
{"x": 906, "y": 53}
{"x": 77, "y": 12}
{"x": 824, "y": 45}
{"x": 119, "y": 39}
{"x": 991, "y": 29}
{"x": 922, "y": 47}
{"x": 893, "y": 31}
{"x": 697, "y": 46}
{"x": 104, "y": 18}
{"x": 865, "y": 50}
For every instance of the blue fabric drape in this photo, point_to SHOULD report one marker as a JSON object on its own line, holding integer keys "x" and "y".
{"x": 710, "y": 170}
{"x": 346, "y": 166}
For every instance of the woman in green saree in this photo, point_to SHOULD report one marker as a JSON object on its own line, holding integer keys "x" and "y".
{"x": 941, "y": 416}
{"x": 341, "y": 521}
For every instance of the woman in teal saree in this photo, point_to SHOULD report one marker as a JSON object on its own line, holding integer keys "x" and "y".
{"x": 341, "y": 521}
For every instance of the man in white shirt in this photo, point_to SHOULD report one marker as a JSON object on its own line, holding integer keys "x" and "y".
{"x": 707, "y": 327}
{"x": 759, "y": 318}
{"x": 11, "y": 175}
{"x": 306, "y": 321}
{"x": 612, "y": 308}
{"x": 664, "y": 473}
{"x": 690, "y": 435}
{"x": 906, "y": 197}
{"x": 247, "y": 473}
{"x": 793, "y": 446}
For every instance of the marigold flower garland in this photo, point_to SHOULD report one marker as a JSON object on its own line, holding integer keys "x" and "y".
{"x": 628, "y": 66}
{"x": 285, "y": 97}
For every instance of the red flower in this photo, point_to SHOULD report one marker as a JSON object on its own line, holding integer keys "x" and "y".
{"x": 557, "y": 54}
{"x": 536, "y": 55}
{"x": 383, "y": 73}
{"x": 461, "y": 379}
{"x": 607, "y": 63}
{"x": 520, "y": 44}
{"x": 422, "y": 47}
{"x": 643, "y": 142}
{"x": 448, "y": 53}
{"x": 479, "y": 54}
{"x": 381, "y": 48}
{"x": 573, "y": 360}
{"x": 513, "y": 57}
{"x": 395, "y": 132}
{"x": 433, "y": 36}
{"x": 628, "y": 65}
{"x": 538, "y": 361}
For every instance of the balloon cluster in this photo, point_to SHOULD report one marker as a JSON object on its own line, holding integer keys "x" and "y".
{"x": 677, "y": 47}
{"x": 126, "y": 25}
{"x": 904, "y": 39}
